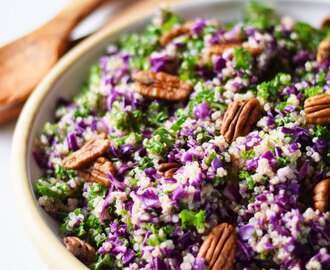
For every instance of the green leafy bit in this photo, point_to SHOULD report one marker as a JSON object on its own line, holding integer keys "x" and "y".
{"x": 247, "y": 154}
{"x": 83, "y": 99}
{"x": 133, "y": 182}
{"x": 96, "y": 190}
{"x": 131, "y": 137}
{"x": 87, "y": 227}
{"x": 94, "y": 76}
{"x": 210, "y": 158}
{"x": 64, "y": 174}
{"x": 242, "y": 58}
{"x": 141, "y": 46}
{"x": 321, "y": 78}
{"x": 156, "y": 114}
{"x": 126, "y": 120}
{"x": 283, "y": 121}
{"x": 82, "y": 110}
{"x": 145, "y": 163}
{"x": 192, "y": 219}
{"x": 158, "y": 234}
{"x": 187, "y": 68}
{"x": 282, "y": 105}
{"x": 77, "y": 229}
{"x": 269, "y": 90}
{"x": 169, "y": 20}
{"x": 190, "y": 60}
{"x": 245, "y": 176}
{"x": 53, "y": 188}
{"x": 181, "y": 115}
{"x": 161, "y": 140}
{"x": 282, "y": 162}
{"x": 52, "y": 129}
{"x": 308, "y": 36}
{"x": 103, "y": 260}
{"x": 322, "y": 132}
{"x": 313, "y": 91}
{"x": 203, "y": 136}
{"x": 259, "y": 15}
{"x": 209, "y": 96}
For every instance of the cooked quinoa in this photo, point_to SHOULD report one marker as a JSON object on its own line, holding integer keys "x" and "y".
{"x": 262, "y": 183}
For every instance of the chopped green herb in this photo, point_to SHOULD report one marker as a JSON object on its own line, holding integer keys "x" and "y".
{"x": 145, "y": 162}
{"x": 269, "y": 90}
{"x": 322, "y": 132}
{"x": 247, "y": 154}
{"x": 210, "y": 158}
{"x": 53, "y": 188}
{"x": 127, "y": 121}
{"x": 161, "y": 140}
{"x": 192, "y": 219}
{"x": 103, "y": 260}
{"x": 259, "y": 15}
{"x": 156, "y": 114}
{"x": 313, "y": 91}
{"x": 242, "y": 58}
{"x": 245, "y": 176}
{"x": 64, "y": 174}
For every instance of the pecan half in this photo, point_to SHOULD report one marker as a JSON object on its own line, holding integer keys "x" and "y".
{"x": 322, "y": 195}
{"x": 161, "y": 85}
{"x": 169, "y": 168}
{"x": 80, "y": 249}
{"x": 323, "y": 52}
{"x": 240, "y": 118}
{"x": 184, "y": 29}
{"x": 219, "y": 247}
{"x": 325, "y": 22}
{"x": 218, "y": 49}
{"x": 91, "y": 150}
{"x": 98, "y": 172}
{"x": 317, "y": 109}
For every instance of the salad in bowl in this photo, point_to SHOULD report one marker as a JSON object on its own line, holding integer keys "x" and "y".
{"x": 197, "y": 145}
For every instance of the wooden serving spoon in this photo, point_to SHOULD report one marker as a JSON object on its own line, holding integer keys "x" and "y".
{"x": 26, "y": 61}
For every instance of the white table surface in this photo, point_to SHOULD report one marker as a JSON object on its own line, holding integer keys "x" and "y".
{"x": 18, "y": 17}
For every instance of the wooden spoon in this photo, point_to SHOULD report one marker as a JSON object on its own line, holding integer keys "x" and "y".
{"x": 26, "y": 61}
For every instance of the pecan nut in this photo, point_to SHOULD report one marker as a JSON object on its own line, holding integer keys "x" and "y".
{"x": 325, "y": 22}
{"x": 219, "y": 247}
{"x": 323, "y": 52}
{"x": 91, "y": 150}
{"x": 240, "y": 118}
{"x": 219, "y": 49}
{"x": 161, "y": 85}
{"x": 321, "y": 195}
{"x": 184, "y": 29}
{"x": 317, "y": 109}
{"x": 80, "y": 249}
{"x": 168, "y": 168}
{"x": 98, "y": 172}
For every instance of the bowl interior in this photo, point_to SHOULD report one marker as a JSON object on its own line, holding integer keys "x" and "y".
{"x": 68, "y": 81}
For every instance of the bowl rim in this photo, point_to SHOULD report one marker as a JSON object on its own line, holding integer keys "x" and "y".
{"x": 46, "y": 242}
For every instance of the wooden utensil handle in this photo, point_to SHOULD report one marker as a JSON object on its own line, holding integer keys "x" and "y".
{"x": 77, "y": 10}
{"x": 70, "y": 16}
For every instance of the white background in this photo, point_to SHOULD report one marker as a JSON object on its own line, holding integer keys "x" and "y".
{"x": 18, "y": 17}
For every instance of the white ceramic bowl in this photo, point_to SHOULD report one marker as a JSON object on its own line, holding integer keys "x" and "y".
{"x": 66, "y": 79}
